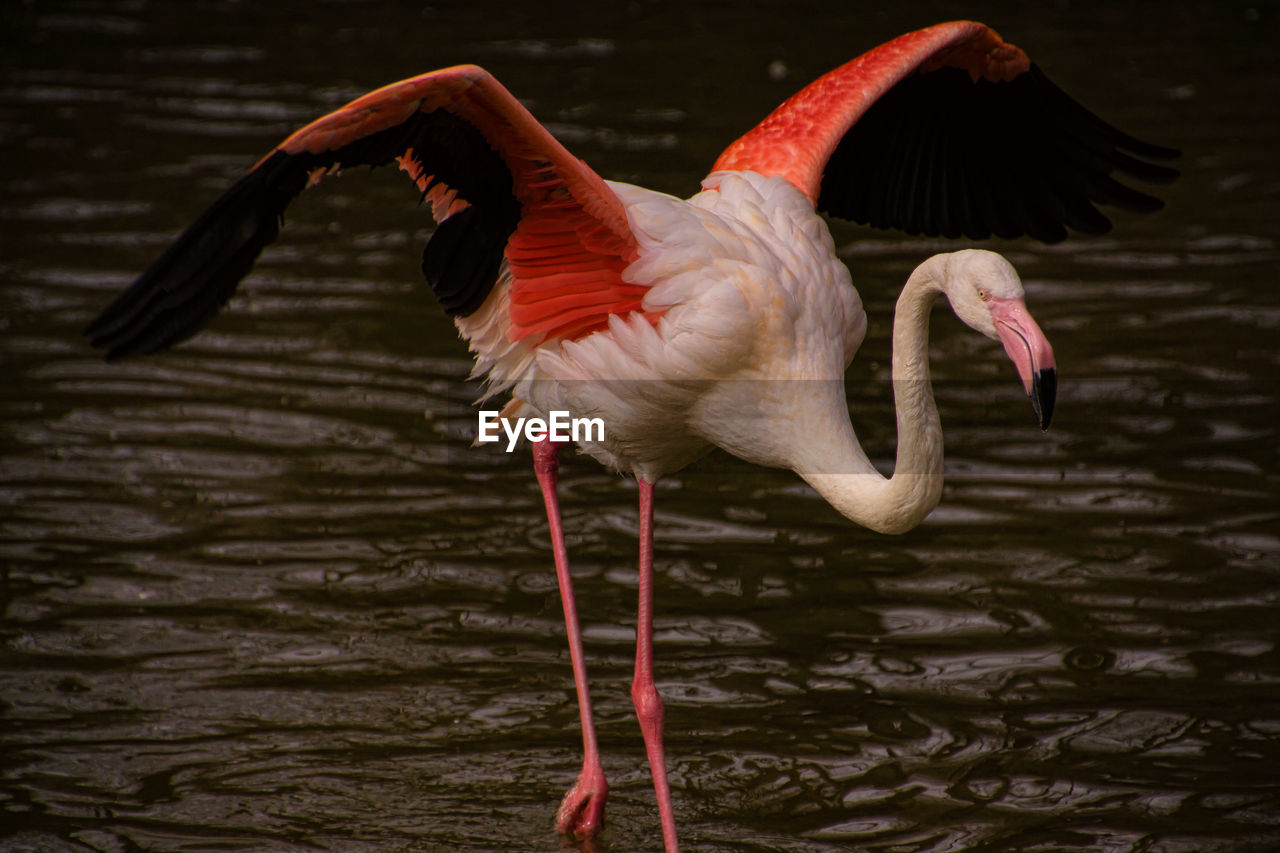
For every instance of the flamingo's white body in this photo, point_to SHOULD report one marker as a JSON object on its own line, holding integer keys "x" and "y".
{"x": 750, "y": 290}
{"x": 722, "y": 321}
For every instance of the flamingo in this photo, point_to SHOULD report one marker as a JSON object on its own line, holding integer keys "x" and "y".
{"x": 688, "y": 325}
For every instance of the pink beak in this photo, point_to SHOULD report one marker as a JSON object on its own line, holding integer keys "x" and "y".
{"x": 1030, "y": 352}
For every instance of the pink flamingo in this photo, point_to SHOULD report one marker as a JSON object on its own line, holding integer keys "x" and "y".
{"x": 613, "y": 301}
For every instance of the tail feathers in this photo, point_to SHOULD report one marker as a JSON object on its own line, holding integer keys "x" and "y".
{"x": 182, "y": 291}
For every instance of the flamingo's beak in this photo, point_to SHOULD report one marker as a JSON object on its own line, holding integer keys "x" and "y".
{"x": 1030, "y": 352}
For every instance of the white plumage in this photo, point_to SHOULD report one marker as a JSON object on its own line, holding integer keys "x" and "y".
{"x": 752, "y": 296}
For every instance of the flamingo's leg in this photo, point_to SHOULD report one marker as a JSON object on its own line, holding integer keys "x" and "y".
{"x": 581, "y": 812}
{"x": 644, "y": 693}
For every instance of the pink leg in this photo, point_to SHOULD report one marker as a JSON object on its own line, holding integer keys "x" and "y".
{"x": 644, "y": 693}
{"x": 582, "y": 811}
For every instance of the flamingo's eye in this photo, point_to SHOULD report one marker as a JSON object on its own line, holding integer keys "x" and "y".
{"x": 982, "y": 294}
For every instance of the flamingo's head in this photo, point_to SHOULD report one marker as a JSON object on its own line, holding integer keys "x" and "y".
{"x": 986, "y": 293}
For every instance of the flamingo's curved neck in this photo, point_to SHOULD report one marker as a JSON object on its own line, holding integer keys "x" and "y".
{"x": 835, "y": 463}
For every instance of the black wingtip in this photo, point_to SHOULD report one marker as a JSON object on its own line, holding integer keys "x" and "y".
{"x": 941, "y": 154}
{"x": 184, "y": 288}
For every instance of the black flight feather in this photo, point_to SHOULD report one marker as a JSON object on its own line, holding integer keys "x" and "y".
{"x": 186, "y": 286}
{"x": 1008, "y": 158}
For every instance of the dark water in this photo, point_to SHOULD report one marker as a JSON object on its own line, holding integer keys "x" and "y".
{"x": 253, "y": 599}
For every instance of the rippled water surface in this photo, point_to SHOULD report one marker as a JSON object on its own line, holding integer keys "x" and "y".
{"x": 252, "y": 599}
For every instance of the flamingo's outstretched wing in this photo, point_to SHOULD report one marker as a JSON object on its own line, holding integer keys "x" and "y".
{"x": 950, "y": 131}
{"x": 500, "y": 185}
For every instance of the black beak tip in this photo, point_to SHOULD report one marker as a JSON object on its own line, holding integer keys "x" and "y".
{"x": 1044, "y": 390}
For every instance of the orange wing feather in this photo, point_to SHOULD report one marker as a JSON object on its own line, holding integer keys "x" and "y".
{"x": 499, "y": 184}
{"x": 949, "y": 131}
{"x": 572, "y": 242}
{"x": 796, "y": 140}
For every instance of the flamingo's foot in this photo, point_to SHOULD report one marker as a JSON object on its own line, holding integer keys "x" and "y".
{"x": 581, "y": 812}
